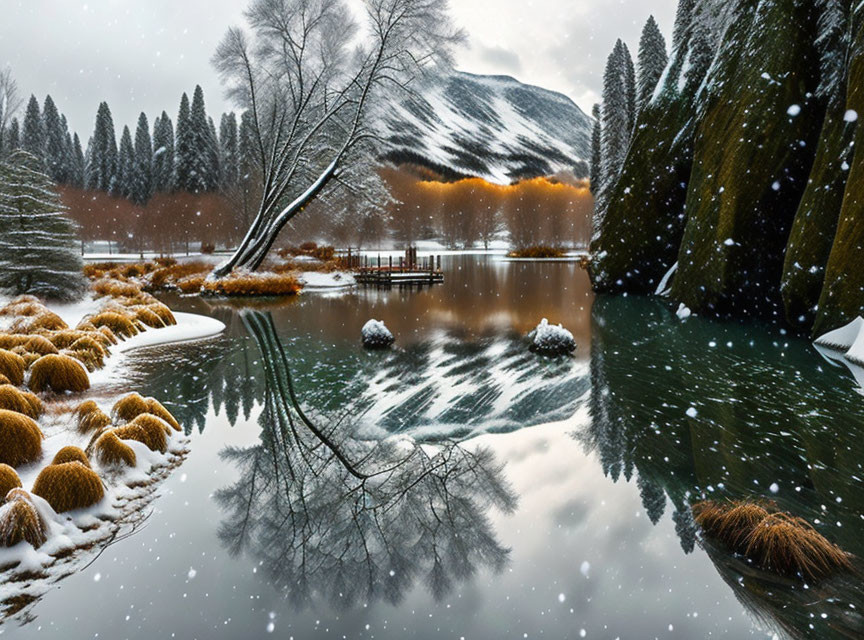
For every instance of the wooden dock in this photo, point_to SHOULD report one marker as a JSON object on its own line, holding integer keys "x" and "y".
{"x": 407, "y": 270}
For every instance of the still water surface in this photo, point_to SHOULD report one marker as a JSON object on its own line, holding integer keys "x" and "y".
{"x": 564, "y": 515}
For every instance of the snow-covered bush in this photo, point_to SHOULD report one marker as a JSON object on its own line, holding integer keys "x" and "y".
{"x": 376, "y": 335}
{"x": 552, "y": 339}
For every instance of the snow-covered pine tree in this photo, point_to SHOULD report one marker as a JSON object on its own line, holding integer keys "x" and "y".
{"x": 78, "y": 164}
{"x": 163, "y": 154}
{"x": 142, "y": 172}
{"x": 55, "y": 142}
{"x": 213, "y": 157}
{"x": 184, "y": 162}
{"x": 833, "y": 43}
{"x": 653, "y": 498}
{"x": 125, "y": 166}
{"x": 38, "y": 246}
{"x": 228, "y": 161}
{"x": 13, "y": 137}
{"x": 596, "y": 150}
{"x": 102, "y": 152}
{"x": 33, "y": 134}
{"x": 629, "y": 78}
{"x": 652, "y": 62}
{"x": 683, "y": 20}
{"x": 702, "y": 51}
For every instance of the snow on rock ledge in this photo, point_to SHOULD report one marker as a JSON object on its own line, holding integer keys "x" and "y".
{"x": 376, "y": 335}
{"x": 848, "y": 339}
{"x": 552, "y": 339}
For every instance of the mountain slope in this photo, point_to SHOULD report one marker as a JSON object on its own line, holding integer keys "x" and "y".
{"x": 491, "y": 127}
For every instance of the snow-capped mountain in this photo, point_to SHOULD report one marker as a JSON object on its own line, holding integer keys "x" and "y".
{"x": 492, "y": 127}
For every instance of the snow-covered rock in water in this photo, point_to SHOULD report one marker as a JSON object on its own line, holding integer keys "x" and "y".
{"x": 848, "y": 339}
{"x": 683, "y": 311}
{"x": 552, "y": 339}
{"x": 376, "y": 335}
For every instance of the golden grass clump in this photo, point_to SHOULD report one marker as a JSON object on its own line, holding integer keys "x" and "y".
{"x": 59, "y": 373}
{"x": 90, "y": 360}
{"x": 14, "y": 399}
{"x": 133, "y": 405}
{"x": 20, "y": 439}
{"x": 246, "y": 284}
{"x": 89, "y": 417}
{"x": 12, "y": 366}
{"x": 149, "y": 430}
{"x": 120, "y": 325}
{"x": 68, "y": 486}
{"x": 165, "y": 314}
{"x": 90, "y": 343}
{"x": 107, "y": 333}
{"x": 29, "y": 358}
{"x": 730, "y": 522}
{"x": 23, "y": 308}
{"x": 47, "y": 320}
{"x": 10, "y": 340}
{"x": 4, "y": 380}
{"x": 65, "y": 338}
{"x": 192, "y": 284}
{"x": 71, "y": 454}
{"x": 116, "y": 288}
{"x": 791, "y": 546}
{"x": 8, "y": 480}
{"x": 148, "y": 317}
{"x": 20, "y": 522}
{"x": 111, "y": 451}
{"x": 41, "y": 345}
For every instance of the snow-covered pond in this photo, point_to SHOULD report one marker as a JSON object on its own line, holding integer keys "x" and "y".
{"x": 585, "y": 533}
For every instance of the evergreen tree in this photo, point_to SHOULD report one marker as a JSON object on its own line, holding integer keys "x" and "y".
{"x": 142, "y": 174}
{"x": 702, "y": 49}
{"x": 616, "y": 122}
{"x": 102, "y": 152}
{"x": 629, "y": 79}
{"x": 78, "y": 164}
{"x": 683, "y": 20}
{"x": 33, "y": 136}
{"x": 38, "y": 247}
{"x": 653, "y": 498}
{"x": 652, "y": 62}
{"x": 163, "y": 154}
{"x": 596, "y": 150}
{"x": 125, "y": 166}
{"x": 228, "y": 152}
{"x": 55, "y": 142}
{"x": 199, "y": 148}
{"x": 184, "y": 173}
{"x": 13, "y": 136}
{"x": 212, "y": 158}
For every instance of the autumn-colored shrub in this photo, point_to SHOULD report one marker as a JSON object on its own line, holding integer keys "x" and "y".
{"x": 20, "y": 522}
{"x": 192, "y": 284}
{"x": 13, "y": 399}
{"x": 253, "y": 284}
{"x": 119, "y": 324}
{"x": 130, "y": 407}
{"x": 59, "y": 373}
{"x": 538, "y": 252}
{"x": 89, "y": 417}
{"x": 20, "y": 439}
{"x": 63, "y": 339}
{"x": 147, "y": 432}
{"x": 165, "y": 314}
{"x": 730, "y": 522}
{"x": 111, "y": 451}
{"x": 790, "y": 546}
{"x": 8, "y": 480}
{"x": 68, "y": 486}
{"x": 91, "y": 361}
{"x": 109, "y": 335}
{"x": 71, "y": 454}
{"x": 11, "y": 340}
{"x": 41, "y": 345}
{"x": 90, "y": 343}
{"x": 154, "y": 407}
{"x": 148, "y": 317}
{"x": 12, "y": 366}
{"x": 116, "y": 288}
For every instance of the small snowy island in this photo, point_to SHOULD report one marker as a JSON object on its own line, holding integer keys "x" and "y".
{"x": 550, "y": 339}
{"x": 376, "y": 335}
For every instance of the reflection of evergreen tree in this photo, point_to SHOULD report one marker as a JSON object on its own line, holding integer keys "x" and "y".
{"x": 351, "y": 520}
{"x": 653, "y": 498}
{"x": 685, "y": 527}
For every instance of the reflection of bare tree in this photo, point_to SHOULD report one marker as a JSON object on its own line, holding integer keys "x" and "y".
{"x": 333, "y": 516}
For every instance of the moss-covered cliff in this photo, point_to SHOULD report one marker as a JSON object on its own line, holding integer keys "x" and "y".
{"x": 753, "y": 152}
{"x": 751, "y": 180}
{"x": 632, "y": 251}
{"x": 842, "y": 297}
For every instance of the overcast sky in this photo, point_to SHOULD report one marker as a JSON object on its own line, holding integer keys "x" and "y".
{"x": 141, "y": 55}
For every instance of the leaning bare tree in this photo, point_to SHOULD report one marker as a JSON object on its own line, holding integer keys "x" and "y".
{"x": 10, "y": 102}
{"x": 315, "y": 81}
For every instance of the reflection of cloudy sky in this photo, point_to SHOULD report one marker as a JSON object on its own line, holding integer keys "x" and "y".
{"x": 143, "y": 55}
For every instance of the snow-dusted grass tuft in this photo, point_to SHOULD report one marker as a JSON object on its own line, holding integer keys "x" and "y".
{"x": 12, "y": 367}
{"x": 14, "y": 399}
{"x": 71, "y": 454}
{"x": 20, "y": 439}
{"x": 58, "y": 373}
{"x": 8, "y": 480}
{"x": 20, "y": 521}
{"x": 69, "y": 486}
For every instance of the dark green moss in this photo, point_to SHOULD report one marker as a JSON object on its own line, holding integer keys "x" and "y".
{"x": 751, "y": 160}
{"x": 842, "y": 297}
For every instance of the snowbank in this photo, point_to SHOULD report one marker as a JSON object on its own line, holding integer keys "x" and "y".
{"x": 551, "y": 339}
{"x": 376, "y": 335}
{"x": 316, "y": 281}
